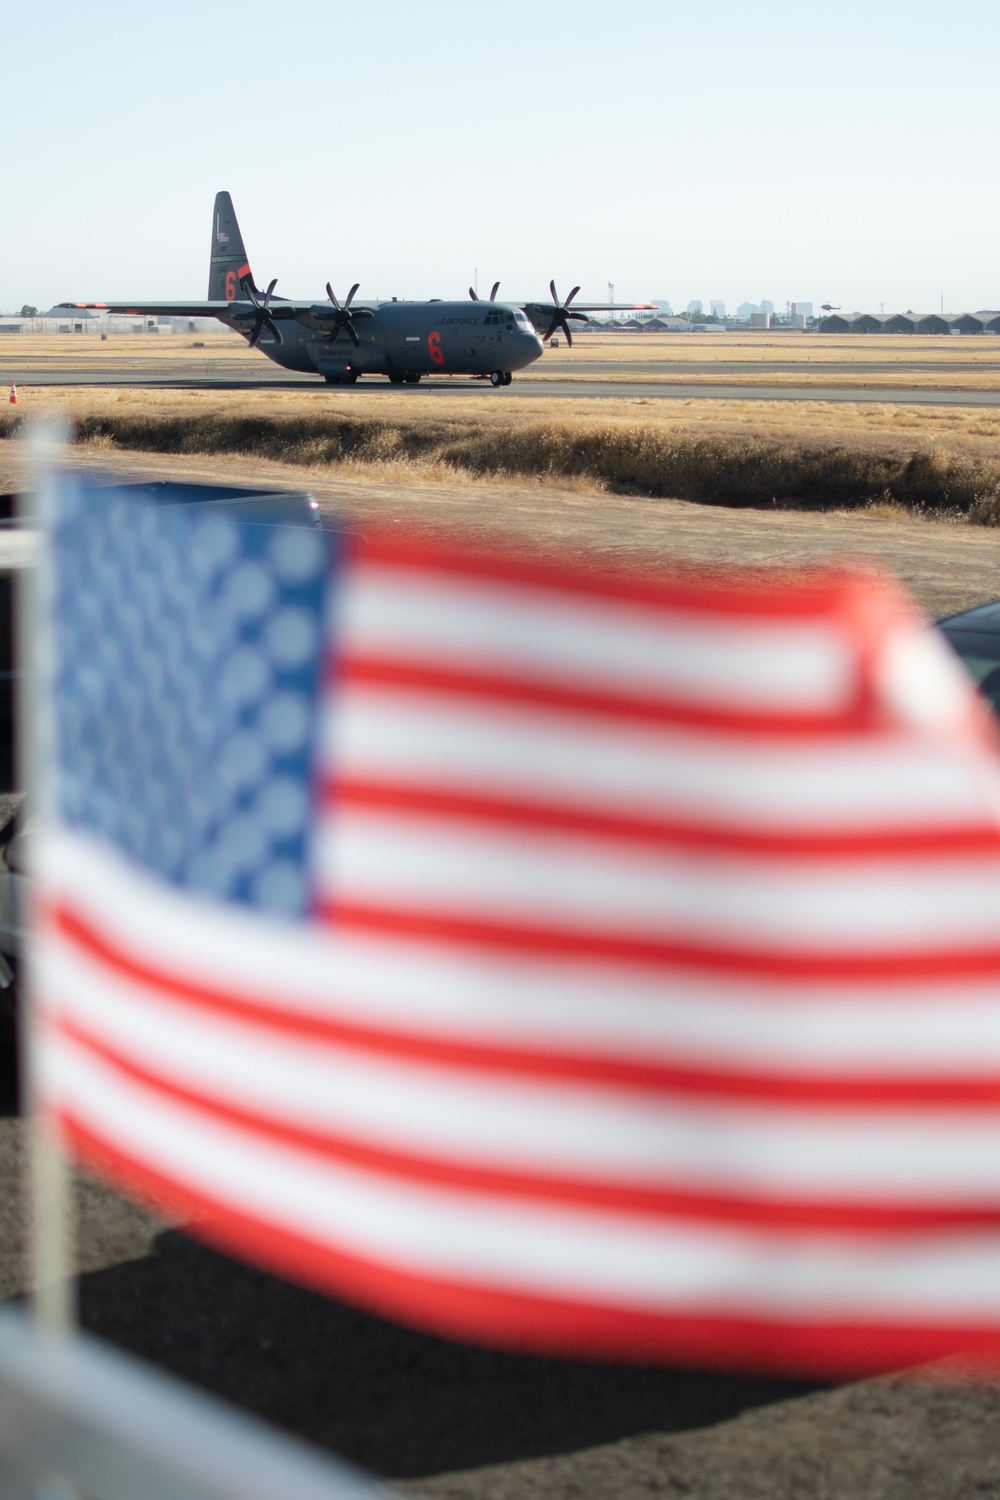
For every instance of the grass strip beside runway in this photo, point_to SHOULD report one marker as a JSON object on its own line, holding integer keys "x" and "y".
{"x": 738, "y": 467}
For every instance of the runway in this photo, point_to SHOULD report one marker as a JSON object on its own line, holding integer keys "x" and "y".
{"x": 178, "y": 375}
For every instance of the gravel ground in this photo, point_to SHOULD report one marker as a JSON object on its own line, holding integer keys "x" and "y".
{"x": 449, "y": 1420}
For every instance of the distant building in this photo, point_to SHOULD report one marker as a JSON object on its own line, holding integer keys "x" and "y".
{"x": 967, "y": 324}
{"x": 766, "y": 306}
{"x": 663, "y": 303}
{"x": 718, "y": 309}
{"x": 802, "y": 309}
{"x": 747, "y": 309}
{"x": 695, "y": 308}
{"x": 908, "y": 322}
{"x": 760, "y": 320}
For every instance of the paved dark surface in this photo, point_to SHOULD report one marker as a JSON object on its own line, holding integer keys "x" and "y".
{"x": 396, "y": 1401}
{"x": 181, "y": 377}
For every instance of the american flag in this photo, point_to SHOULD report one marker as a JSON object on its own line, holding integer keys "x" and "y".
{"x": 600, "y": 967}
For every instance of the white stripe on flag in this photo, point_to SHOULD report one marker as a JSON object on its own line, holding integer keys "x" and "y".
{"x": 603, "y": 887}
{"x": 593, "y": 642}
{"x": 579, "y": 1007}
{"x": 542, "y": 1249}
{"x": 538, "y": 1126}
{"x": 433, "y": 740}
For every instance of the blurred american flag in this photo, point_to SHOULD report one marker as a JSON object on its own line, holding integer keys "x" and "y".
{"x": 595, "y": 967}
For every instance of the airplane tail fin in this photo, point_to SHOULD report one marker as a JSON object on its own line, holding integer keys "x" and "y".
{"x": 229, "y": 263}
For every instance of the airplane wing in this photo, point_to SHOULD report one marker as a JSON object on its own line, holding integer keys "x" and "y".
{"x": 152, "y": 309}
{"x": 589, "y": 307}
{"x": 279, "y": 308}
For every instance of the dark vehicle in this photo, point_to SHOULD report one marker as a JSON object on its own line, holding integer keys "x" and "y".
{"x": 975, "y": 636}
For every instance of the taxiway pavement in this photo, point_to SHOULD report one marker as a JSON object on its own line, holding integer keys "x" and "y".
{"x": 202, "y": 376}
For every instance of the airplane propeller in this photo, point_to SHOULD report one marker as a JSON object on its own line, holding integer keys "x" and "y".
{"x": 493, "y": 295}
{"x": 344, "y": 316}
{"x": 562, "y": 314}
{"x": 263, "y": 317}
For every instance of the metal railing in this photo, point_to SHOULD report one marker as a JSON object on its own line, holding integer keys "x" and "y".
{"x": 79, "y": 1420}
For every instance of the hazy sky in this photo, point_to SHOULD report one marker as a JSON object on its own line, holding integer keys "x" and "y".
{"x": 833, "y": 152}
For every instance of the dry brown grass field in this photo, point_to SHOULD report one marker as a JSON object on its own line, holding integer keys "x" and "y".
{"x": 946, "y": 566}
{"x": 756, "y": 453}
{"x": 604, "y": 475}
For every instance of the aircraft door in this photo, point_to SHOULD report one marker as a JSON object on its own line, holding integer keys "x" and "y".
{"x": 411, "y": 350}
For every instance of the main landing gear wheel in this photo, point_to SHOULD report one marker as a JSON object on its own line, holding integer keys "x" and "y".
{"x": 395, "y": 376}
{"x": 411, "y": 377}
{"x": 497, "y": 378}
{"x": 507, "y": 377}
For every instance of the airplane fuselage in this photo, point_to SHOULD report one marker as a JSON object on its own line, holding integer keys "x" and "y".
{"x": 403, "y": 340}
{"x": 342, "y": 341}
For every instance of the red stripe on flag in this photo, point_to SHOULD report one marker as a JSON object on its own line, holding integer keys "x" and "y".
{"x": 861, "y": 599}
{"x": 801, "y": 1089}
{"x": 371, "y": 671}
{"x": 822, "y": 844}
{"x": 840, "y": 1348}
{"x": 440, "y": 927}
{"x": 665, "y": 1202}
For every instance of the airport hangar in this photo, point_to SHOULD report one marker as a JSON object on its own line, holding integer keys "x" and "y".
{"x": 910, "y": 322}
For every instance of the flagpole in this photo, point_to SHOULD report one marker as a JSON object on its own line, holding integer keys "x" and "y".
{"x": 50, "y": 1187}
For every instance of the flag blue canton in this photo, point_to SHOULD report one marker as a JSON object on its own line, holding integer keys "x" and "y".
{"x": 188, "y": 670}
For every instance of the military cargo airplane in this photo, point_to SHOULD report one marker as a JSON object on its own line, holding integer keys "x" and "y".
{"x": 342, "y": 341}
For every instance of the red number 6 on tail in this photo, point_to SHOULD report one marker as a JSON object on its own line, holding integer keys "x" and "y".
{"x": 434, "y": 347}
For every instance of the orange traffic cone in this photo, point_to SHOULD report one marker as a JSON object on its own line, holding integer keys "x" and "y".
{"x": 13, "y": 394}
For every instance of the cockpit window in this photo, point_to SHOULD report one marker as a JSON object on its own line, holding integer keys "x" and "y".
{"x": 521, "y": 318}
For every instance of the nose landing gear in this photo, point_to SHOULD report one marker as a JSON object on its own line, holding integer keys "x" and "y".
{"x": 501, "y": 377}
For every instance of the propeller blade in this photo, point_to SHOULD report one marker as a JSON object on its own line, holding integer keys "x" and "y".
{"x": 273, "y": 329}
{"x": 569, "y": 336}
{"x": 582, "y": 316}
{"x": 571, "y": 296}
{"x": 493, "y": 294}
{"x": 350, "y": 295}
{"x": 270, "y": 288}
{"x": 555, "y": 294}
{"x": 255, "y": 334}
{"x": 550, "y": 330}
{"x": 353, "y": 332}
{"x": 332, "y": 296}
{"x": 473, "y": 295}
